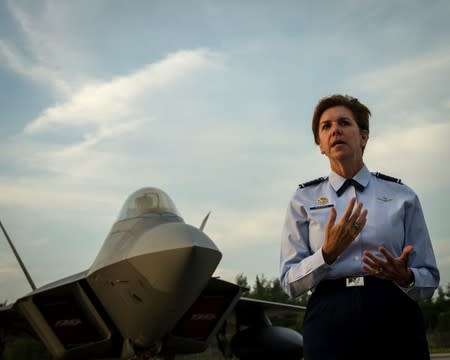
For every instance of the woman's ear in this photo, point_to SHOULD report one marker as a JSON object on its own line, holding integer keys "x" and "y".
{"x": 322, "y": 151}
{"x": 364, "y": 137}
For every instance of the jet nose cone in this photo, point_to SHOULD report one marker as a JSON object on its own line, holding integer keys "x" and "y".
{"x": 163, "y": 272}
{"x": 174, "y": 252}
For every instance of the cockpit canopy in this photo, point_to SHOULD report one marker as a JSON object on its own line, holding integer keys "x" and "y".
{"x": 148, "y": 200}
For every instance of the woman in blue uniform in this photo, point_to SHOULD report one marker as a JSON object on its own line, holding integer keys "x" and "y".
{"x": 359, "y": 241}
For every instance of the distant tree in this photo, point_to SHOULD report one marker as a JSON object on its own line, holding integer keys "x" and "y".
{"x": 443, "y": 322}
{"x": 276, "y": 293}
{"x": 241, "y": 280}
{"x": 261, "y": 288}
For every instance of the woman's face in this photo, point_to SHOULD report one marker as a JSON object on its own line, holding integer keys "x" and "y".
{"x": 339, "y": 135}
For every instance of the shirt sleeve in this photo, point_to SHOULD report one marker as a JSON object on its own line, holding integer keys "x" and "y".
{"x": 422, "y": 260}
{"x": 301, "y": 269}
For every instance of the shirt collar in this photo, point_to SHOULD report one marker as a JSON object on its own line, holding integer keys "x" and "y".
{"x": 363, "y": 177}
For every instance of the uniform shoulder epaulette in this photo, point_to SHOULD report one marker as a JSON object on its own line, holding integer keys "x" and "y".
{"x": 388, "y": 178}
{"x": 312, "y": 182}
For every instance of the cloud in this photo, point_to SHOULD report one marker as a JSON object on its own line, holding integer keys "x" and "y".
{"x": 226, "y": 274}
{"x": 417, "y": 153}
{"x": 46, "y": 56}
{"x": 422, "y": 69}
{"x": 106, "y": 102}
{"x": 6, "y": 271}
{"x": 409, "y": 100}
{"x": 110, "y": 109}
{"x": 234, "y": 228}
{"x": 416, "y": 85}
{"x": 39, "y": 73}
{"x": 48, "y": 195}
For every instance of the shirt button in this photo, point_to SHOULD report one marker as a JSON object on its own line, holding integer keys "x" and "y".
{"x": 356, "y": 258}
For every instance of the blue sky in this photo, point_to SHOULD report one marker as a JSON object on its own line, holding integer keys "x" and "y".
{"x": 210, "y": 101}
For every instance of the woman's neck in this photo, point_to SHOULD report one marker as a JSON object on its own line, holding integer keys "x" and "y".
{"x": 346, "y": 169}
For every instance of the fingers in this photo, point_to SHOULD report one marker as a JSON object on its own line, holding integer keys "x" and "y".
{"x": 408, "y": 249}
{"x": 386, "y": 254}
{"x": 373, "y": 261}
{"x": 348, "y": 212}
{"x": 373, "y": 265}
{"x": 354, "y": 216}
{"x": 402, "y": 259}
{"x": 360, "y": 220}
{"x": 388, "y": 268}
{"x": 375, "y": 271}
{"x": 331, "y": 218}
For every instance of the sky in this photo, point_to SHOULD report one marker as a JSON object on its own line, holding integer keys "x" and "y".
{"x": 210, "y": 101}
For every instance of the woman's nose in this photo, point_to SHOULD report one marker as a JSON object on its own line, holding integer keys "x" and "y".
{"x": 336, "y": 129}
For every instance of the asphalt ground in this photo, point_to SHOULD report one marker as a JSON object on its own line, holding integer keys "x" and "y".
{"x": 441, "y": 356}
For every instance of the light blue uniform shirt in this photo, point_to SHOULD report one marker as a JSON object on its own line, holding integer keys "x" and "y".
{"x": 395, "y": 219}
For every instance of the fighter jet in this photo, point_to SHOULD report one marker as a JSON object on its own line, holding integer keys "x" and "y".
{"x": 150, "y": 293}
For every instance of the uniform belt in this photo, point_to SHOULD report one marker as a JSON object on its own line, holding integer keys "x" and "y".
{"x": 350, "y": 282}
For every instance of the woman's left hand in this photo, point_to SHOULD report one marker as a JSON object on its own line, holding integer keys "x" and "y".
{"x": 389, "y": 268}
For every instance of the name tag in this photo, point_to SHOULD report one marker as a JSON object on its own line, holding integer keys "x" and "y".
{"x": 354, "y": 281}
